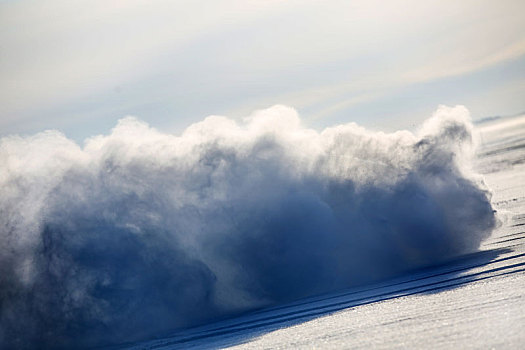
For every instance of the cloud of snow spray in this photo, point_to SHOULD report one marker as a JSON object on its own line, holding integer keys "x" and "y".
{"x": 140, "y": 232}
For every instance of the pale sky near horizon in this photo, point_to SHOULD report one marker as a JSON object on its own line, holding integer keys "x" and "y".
{"x": 79, "y": 66}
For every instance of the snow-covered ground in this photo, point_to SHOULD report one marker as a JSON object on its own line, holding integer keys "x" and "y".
{"x": 475, "y": 301}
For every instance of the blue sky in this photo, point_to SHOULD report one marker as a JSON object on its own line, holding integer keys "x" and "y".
{"x": 79, "y": 66}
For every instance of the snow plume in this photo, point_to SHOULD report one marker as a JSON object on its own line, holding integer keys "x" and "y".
{"x": 140, "y": 232}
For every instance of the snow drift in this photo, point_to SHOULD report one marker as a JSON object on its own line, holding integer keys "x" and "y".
{"x": 141, "y": 232}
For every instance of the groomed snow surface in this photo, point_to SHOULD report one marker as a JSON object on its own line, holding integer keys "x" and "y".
{"x": 475, "y": 301}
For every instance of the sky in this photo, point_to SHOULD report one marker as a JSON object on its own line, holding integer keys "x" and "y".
{"x": 79, "y": 66}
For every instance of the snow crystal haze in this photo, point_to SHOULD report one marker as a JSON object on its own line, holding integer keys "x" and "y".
{"x": 140, "y": 232}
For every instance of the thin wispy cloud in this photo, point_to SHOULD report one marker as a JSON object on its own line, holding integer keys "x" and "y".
{"x": 66, "y": 64}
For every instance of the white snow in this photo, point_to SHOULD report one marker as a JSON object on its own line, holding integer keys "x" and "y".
{"x": 476, "y": 301}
